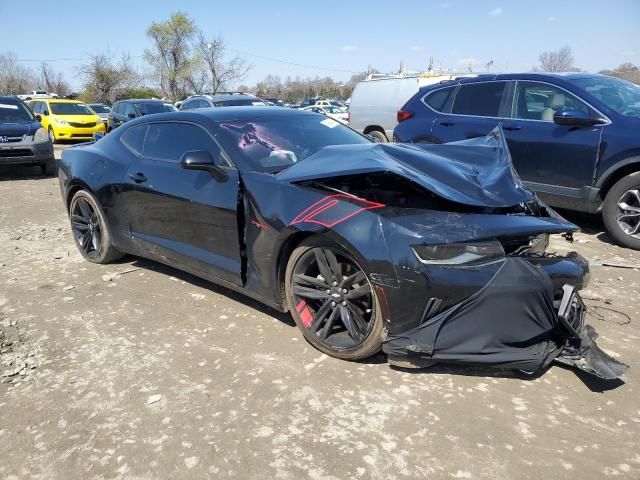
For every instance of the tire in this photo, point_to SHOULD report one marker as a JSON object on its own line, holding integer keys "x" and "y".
{"x": 52, "y": 135}
{"x": 624, "y": 224}
{"x": 330, "y": 334}
{"x": 94, "y": 248}
{"x": 50, "y": 167}
{"x": 378, "y": 136}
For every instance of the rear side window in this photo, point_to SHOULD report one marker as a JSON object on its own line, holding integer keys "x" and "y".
{"x": 134, "y": 138}
{"x": 479, "y": 99}
{"x": 438, "y": 99}
{"x": 161, "y": 141}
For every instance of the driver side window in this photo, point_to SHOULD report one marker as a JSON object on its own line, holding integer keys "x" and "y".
{"x": 128, "y": 109}
{"x": 160, "y": 142}
{"x": 540, "y": 101}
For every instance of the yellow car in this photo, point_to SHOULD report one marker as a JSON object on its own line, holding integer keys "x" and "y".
{"x": 67, "y": 119}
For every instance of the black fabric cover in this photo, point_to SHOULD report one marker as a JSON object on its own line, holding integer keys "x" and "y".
{"x": 511, "y": 323}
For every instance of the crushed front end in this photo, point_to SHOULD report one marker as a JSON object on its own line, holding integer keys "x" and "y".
{"x": 502, "y": 301}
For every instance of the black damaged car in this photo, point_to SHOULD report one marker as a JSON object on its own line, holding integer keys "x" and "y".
{"x": 23, "y": 141}
{"x": 369, "y": 246}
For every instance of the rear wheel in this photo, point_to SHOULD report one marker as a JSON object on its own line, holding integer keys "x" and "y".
{"x": 378, "y": 136}
{"x": 332, "y": 301}
{"x": 621, "y": 211}
{"x": 90, "y": 230}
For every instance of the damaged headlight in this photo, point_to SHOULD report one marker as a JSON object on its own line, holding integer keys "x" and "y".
{"x": 477, "y": 253}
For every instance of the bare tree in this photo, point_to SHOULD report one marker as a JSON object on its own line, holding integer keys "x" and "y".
{"x": 626, "y": 71}
{"x": 558, "y": 61}
{"x": 52, "y": 81}
{"x": 224, "y": 71}
{"x": 170, "y": 57}
{"x": 14, "y": 77}
{"x": 104, "y": 77}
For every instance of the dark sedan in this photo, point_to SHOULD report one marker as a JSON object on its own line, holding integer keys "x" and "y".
{"x": 23, "y": 141}
{"x": 369, "y": 246}
{"x": 124, "y": 110}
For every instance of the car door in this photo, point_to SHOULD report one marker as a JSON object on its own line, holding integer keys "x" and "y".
{"x": 183, "y": 217}
{"x": 557, "y": 161}
{"x": 477, "y": 108}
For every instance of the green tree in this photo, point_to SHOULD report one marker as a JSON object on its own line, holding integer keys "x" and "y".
{"x": 171, "y": 55}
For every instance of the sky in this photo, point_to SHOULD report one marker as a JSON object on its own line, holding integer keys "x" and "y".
{"x": 334, "y": 38}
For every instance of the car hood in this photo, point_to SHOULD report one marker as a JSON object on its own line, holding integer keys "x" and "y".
{"x": 476, "y": 172}
{"x": 18, "y": 129}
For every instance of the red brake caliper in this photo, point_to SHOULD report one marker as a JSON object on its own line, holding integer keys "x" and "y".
{"x": 305, "y": 314}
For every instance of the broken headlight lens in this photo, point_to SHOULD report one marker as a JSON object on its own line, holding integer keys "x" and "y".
{"x": 476, "y": 253}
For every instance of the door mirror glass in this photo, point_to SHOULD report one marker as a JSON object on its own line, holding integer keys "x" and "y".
{"x": 202, "y": 160}
{"x": 45, "y": 112}
{"x": 572, "y": 117}
{"x": 38, "y": 117}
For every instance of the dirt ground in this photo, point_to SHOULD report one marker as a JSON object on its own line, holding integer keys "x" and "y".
{"x": 138, "y": 371}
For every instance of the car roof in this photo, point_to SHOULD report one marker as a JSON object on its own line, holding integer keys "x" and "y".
{"x": 57, "y": 100}
{"x": 217, "y": 98}
{"x": 224, "y": 113}
{"x": 10, "y": 98}
{"x": 539, "y": 76}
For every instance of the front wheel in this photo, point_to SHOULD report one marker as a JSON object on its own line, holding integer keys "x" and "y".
{"x": 90, "y": 230}
{"x": 52, "y": 135}
{"x": 49, "y": 167}
{"x": 332, "y": 301}
{"x": 377, "y": 136}
{"x": 621, "y": 211}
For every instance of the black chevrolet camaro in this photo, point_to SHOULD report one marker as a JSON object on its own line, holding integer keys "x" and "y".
{"x": 432, "y": 253}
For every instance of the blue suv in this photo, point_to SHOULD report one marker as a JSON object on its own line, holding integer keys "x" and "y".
{"x": 574, "y": 138}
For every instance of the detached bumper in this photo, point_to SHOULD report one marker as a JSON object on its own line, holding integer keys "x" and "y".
{"x": 512, "y": 322}
{"x": 25, "y": 153}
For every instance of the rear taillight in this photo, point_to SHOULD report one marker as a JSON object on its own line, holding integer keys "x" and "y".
{"x": 404, "y": 115}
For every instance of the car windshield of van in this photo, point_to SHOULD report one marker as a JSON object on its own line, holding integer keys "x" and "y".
{"x": 619, "y": 95}
{"x": 69, "y": 108}
{"x": 14, "y": 113}
{"x": 271, "y": 144}
{"x": 147, "y": 108}
{"x": 100, "y": 108}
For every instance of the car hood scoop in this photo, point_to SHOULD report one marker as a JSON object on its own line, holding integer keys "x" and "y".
{"x": 476, "y": 172}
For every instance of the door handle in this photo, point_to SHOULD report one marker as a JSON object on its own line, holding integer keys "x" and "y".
{"x": 447, "y": 123}
{"x": 511, "y": 128}
{"x": 138, "y": 177}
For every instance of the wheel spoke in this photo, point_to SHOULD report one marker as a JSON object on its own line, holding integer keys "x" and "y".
{"x": 347, "y": 321}
{"x": 79, "y": 219}
{"x": 629, "y": 215}
{"x": 95, "y": 240}
{"x": 83, "y": 227}
{"x": 627, "y": 207}
{"x": 334, "y": 266}
{"x": 323, "y": 265}
{"x": 329, "y": 324}
{"x": 301, "y": 279}
{"x": 320, "y": 316}
{"x": 86, "y": 241}
{"x": 307, "y": 292}
{"x": 85, "y": 209}
{"x": 358, "y": 292}
{"x": 351, "y": 280}
{"x": 361, "y": 323}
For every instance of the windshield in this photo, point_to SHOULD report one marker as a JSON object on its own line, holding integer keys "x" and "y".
{"x": 241, "y": 102}
{"x": 272, "y": 144}
{"x": 619, "y": 95}
{"x": 15, "y": 113}
{"x": 69, "y": 109}
{"x": 148, "y": 108}
{"x": 100, "y": 108}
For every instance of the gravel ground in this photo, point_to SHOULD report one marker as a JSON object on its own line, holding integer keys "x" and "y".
{"x": 135, "y": 370}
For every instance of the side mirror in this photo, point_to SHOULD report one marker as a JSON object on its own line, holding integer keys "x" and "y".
{"x": 201, "y": 160}
{"x": 38, "y": 117}
{"x": 576, "y": 118}
{"x": 131, "y": 115}
{"x": 45, "y": 113}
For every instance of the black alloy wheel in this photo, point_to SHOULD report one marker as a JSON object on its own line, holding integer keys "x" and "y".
{"x": 86, "y": 227}
{"x": 89, "y": 229}
{"x": 333, "y": 302}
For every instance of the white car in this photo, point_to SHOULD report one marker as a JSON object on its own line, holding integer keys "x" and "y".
{"x": 330, "y": 111}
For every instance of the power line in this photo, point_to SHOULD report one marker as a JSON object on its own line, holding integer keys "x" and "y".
{"x": 316, "y": 67}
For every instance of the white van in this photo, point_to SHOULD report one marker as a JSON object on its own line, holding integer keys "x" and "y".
{"x": 376, "y": 101}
